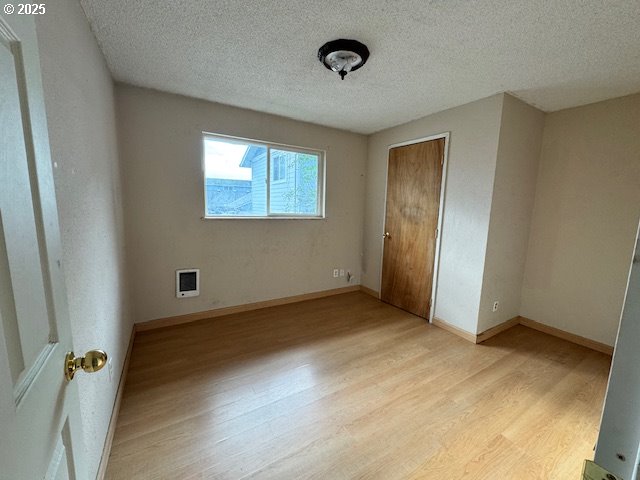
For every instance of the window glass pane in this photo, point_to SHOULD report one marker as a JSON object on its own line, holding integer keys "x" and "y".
{"x": 294, "y": 182}
{"x": 278, "y": 167}
{"x": 235, "y": 178}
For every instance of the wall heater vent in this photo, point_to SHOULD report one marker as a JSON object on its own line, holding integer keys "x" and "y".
{"x": 187, "y": 283}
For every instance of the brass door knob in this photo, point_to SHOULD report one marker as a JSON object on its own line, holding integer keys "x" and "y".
{"x": 92, "y": 361}
{"x": 386, "y": 236}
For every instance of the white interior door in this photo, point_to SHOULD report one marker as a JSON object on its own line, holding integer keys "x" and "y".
{"x": 39, "y": 411}
{"x": 618, "y": 447}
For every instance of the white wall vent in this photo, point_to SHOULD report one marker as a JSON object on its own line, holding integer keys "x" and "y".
{"x": 187, "y": 283}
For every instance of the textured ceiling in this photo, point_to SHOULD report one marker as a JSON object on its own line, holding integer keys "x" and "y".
{"x": 426, "y": 55}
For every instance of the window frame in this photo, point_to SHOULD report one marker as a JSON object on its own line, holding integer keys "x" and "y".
{"x": 321, "y": 186}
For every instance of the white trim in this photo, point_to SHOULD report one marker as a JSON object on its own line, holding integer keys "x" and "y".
{"x": 267, "y": 182}
{"x": 56, "y": 460}
{"x": 436, "y": 259}
{"x": 26, "y": 381}
{"x": 203, "y": 174}
{"x": 444, "y": 135}
{"x": 273, "y": 216}
{"x": 618, "y": 435}
{"x": 322, "y": 182}
{"x": 443, "y": 183}
{"x": 245, "y": 140}
{"x": 7, "y": 35}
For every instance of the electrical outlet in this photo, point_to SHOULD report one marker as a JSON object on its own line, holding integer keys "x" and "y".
{"x": 495, "y": 306}
{"x": 110, "y": 368}
{"x": 336, "y": 272}
{"x": 342, "y": 272}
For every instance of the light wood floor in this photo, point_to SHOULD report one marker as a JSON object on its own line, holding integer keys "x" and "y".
{"x": 347, "y": 387}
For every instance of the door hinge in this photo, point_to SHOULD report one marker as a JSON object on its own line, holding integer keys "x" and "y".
{"x": 436, "y": 235}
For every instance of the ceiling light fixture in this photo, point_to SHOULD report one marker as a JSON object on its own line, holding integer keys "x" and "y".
{"x": 343, "y": 56}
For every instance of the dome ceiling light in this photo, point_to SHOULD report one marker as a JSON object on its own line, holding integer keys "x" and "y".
{"x": 343, "y": 56}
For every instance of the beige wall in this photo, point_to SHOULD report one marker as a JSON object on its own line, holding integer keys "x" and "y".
{"x": 241, "y": 261}
{"x": 514, "y": 189}
{"x": 585, "y": 218}
{"x": 472, "y": 160}
{"x": 80, "y": 112}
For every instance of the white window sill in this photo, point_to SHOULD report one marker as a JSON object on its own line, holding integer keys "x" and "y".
{"x": 273, "y": 217}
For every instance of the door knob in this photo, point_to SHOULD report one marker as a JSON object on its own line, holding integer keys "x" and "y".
{"x": 92, "y": 361}
{"x": 386, "y": 236}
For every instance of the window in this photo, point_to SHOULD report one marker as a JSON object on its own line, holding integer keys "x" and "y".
{"x": 237, "y": 184}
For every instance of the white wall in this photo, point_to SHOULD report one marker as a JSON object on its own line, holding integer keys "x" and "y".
{"x": 511, "y": 211}
{"x": 585, "y": 217}
{"x": 241, "y": 261}
{"x": 80, "y": 112}
{"x": 469, "y": 187}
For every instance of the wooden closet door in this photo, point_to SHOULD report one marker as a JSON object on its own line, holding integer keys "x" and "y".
{"x": 413, "y": 202}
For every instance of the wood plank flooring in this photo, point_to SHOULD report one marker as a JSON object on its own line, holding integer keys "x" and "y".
{"x": 347, "y": 387}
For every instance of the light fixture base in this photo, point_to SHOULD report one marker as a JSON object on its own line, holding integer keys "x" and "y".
{"x": 343, "y": 56}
